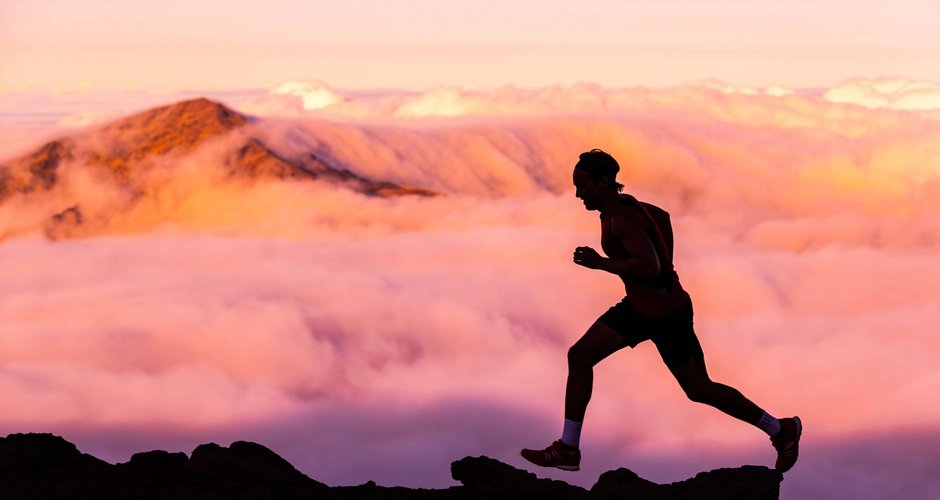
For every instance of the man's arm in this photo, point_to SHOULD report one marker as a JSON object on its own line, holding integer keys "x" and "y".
{"x": 642, "y": 260}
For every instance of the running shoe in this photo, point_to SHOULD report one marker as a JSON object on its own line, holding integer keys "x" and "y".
{"x": 787, "y": 443}
{"x": 558, "y": 455}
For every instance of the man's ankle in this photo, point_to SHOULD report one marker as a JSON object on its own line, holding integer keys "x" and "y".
{"x": 571, "y": 434}
{"x": 569, "y": 447}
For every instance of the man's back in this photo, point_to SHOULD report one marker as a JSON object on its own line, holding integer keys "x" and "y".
{"x": 653, "y": 296}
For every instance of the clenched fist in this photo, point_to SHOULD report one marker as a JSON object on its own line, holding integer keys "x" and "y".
{"x": 588, "y": 257}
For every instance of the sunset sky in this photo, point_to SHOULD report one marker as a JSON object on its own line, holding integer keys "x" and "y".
{"x": 212, "y": 45}
{"x": 796, "y": 145}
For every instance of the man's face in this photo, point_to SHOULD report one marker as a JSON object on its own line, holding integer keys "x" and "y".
{"x": 589, "y": 190}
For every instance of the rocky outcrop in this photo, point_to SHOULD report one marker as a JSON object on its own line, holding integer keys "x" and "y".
{"x": 39, "y": 466}
{"x": 37, "y": 171}
{"x": 43, "y": 466}
{"x": 749, "y": 481}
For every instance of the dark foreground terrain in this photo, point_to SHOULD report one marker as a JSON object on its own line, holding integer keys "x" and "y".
{"x": 43, "y": 466}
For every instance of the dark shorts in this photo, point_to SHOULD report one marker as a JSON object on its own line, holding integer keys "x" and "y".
{"x": 672, "y": 334}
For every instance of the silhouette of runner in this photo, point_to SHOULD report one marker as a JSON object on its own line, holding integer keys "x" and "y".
{"x": 637, "y": 238}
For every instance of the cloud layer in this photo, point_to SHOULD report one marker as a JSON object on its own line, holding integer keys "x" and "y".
{"x": 347, "y": 332}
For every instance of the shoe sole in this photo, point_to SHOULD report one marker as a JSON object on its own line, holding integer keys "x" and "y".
{"x": 799, "y": 433}
{"x": 570, "y": 468}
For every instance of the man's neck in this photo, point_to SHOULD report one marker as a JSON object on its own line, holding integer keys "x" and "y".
{"x": 610, "y": 203}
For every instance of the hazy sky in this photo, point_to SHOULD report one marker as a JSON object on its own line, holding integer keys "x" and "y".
{"x": 48, "y": 44}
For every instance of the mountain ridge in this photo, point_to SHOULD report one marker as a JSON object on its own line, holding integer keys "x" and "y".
{"x": 125, "y": 149}
{"x": 121, "y": 146}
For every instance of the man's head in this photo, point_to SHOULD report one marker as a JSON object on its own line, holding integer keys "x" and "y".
{"x": 595, "y": 178}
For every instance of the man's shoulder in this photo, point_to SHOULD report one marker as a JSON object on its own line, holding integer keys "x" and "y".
{"x": 629, "y": 216}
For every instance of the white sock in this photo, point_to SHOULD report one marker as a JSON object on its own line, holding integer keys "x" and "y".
{"x": 571, "y": 435}
{"x": 769, "y": 424}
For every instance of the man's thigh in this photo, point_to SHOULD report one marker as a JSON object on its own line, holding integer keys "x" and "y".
{"x": 598, "y": 342}
{"x": 676, "y": 341}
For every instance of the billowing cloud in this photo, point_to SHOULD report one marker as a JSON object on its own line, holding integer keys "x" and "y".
{"x": 347, "y": 332}
{"x": 727, "y": 88}
{"x": 293, "y": 99}
{"x": 443, "y": 102}
{"x": 315, "y": 94}
{"x": 887, "y": 93}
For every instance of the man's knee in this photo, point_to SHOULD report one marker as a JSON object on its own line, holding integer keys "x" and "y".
{"x": 699, "y": 392}
{"x": 580, "y": 358}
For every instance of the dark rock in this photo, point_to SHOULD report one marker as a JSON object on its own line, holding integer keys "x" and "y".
{"x": 487, "y": 477}
{"x": 748, "y": 482}
{"x": 43, "y": 466}
{"x": 158, "y": 459}
{"x": 65, "y": 223}
{"x": 624, "y": 483}
{"x": 255, "y": 160}
{"x": 38, "y": 452}
{"x": 253, "y": 465}
{"x": 37, "y": 171}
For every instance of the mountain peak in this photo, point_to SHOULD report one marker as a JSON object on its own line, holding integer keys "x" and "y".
{"x": 179, "y": 127}
{"x": 199, "y": 110}
{"x": 198, "y": 117}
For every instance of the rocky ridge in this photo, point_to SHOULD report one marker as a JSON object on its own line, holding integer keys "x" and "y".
{"x": 43, "y": 466}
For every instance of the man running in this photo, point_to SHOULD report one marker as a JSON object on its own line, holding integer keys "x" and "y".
{"x": 637, "y": 238}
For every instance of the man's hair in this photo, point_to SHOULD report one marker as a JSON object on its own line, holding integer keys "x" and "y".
{"x": 597, "y": 164}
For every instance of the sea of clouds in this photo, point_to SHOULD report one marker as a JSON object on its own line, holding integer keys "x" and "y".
{"x": 366, "y": 338}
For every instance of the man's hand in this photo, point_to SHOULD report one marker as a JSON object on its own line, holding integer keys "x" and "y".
{"x": 588, "y": 257}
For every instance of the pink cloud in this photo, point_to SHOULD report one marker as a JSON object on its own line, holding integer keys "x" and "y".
{"x": 316, "y": 319}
